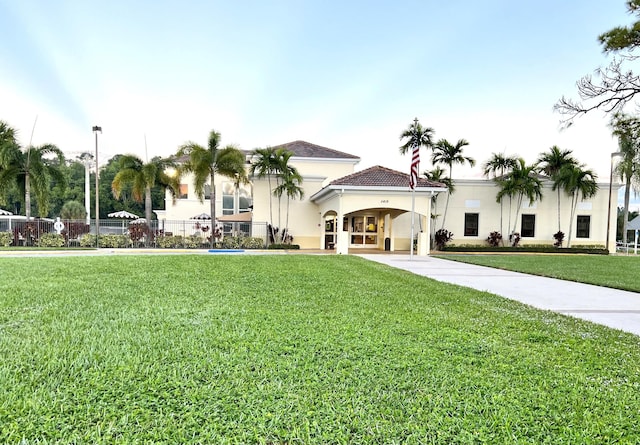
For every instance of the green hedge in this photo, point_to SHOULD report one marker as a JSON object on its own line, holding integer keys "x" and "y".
{"x": 531, "y": 249}
{"x": 284, "y": 246}
{"x": 51, "y": 240}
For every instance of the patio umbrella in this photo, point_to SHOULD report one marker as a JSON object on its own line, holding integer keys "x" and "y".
{"x": 123, "y": 214}
{"x": 138, "y": 221}
{"x": 201, "y": 216}
{"x": 5, "y": 212}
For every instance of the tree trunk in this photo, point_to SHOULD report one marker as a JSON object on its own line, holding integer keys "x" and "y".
{"x": 559, "y": 230}
{"x": 446, "y": 205}
{"x": 212, "y": 205}
{"x": 574, "y": 204}
{"x": 625, "y": 214}
{"x": 27, "y": 196}
{"x": 147, "y": 214}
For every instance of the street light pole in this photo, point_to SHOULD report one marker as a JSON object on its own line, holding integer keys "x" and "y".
{"x": 613, "y": 155}
{"x": 97, "y": 129}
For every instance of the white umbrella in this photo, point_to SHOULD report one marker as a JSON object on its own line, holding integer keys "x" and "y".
{"x": 123, "y": 214}
{"x": 5, "y": 212}
{"x": 138, "y": 221}
{"x": 202, "y": 216}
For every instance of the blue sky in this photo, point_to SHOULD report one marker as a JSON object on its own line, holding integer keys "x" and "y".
{"x": 346, "y": 75}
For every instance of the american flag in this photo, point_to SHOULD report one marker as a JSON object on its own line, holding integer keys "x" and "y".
{"x": 415, "y": 161}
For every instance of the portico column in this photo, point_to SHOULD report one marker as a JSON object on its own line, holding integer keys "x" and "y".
{"x": 342, "y": 236}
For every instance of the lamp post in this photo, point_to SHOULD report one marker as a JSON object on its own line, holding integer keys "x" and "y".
{"x": 95, "y": 130}
{"x": 613, "y": 155}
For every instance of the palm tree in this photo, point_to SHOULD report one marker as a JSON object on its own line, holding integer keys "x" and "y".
{"x": 497, "y": 165}
{"x": 446, "y": 153}
{"x": 264, "y": 164}
{"x": 30, "y": 169}
{"x": 142, "y": 178}
{"x": 520, "y": 182}
{"x": 437, "y": 175}
{"x": 551, "y": 163}
{"x": 205, "y": 163}
{"x": 416, "y": 135}
{"x": 577, "y": 182}
{"x": 290, "y": 186}
{"x": 283, "y": 172}
{"x": 627, "y": 129}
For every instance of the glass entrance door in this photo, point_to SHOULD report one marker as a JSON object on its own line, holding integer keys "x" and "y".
{"x": 364, "y": 231}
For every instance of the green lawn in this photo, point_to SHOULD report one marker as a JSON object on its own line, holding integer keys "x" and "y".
{"x": 619, "y": 272}
{"x": 295, "y": 349}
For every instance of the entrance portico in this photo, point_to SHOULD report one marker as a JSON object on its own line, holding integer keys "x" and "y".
{"x": 361, "y": 211}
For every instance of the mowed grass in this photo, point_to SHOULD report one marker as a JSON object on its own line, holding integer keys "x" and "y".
{"x": 618, "y": 272}
{"x": 288, "y": 349}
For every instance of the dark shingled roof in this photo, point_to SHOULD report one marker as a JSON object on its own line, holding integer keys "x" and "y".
{"x": 304, "y": 149}
{"x": 379, "y": 176}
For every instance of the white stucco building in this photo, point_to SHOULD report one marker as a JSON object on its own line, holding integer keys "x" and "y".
{"x": 371, "y": 209}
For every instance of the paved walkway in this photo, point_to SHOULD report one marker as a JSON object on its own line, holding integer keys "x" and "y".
{"x": 610, "y": 307}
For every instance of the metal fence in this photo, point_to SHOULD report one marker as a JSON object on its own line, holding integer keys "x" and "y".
{"x": 133, "y": 233}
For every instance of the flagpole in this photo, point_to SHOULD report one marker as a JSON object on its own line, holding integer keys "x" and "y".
{"x": 413, "y": 217}
{"x": 413, "y": 182}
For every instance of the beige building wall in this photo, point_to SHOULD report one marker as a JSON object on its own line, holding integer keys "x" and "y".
{"x": 479, "y": 197}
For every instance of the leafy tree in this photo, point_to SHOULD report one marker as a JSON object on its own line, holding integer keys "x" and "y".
{"x": 142, "y": 178}
{"x": 205, "y": 162}
{"x": 627, "y": 129}
{"x": 31, "y": 169}
{"x": 578, "y": 183}
{"x": 615, "y": 85}
{"x": 551, "y": 164}
{"x": 522, "y": 181}
{"x": 496, "y": 166}
{"x": 445, "y": 152}
{"x": 73, "y": 210}
{"x": 73, "y": 172}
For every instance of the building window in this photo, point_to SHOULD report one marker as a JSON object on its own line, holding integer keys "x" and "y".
{"x": 583, "y": 226}
{"x": 528, "y": 228}
{"x": 470, "y": 224}
{"x": 183, "y": 191}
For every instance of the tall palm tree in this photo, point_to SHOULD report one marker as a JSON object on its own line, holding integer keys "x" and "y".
{"x": 521, "y": 182}
{"x": 496, "y": 166}
{"x": 264, "y": 164}
{"x": 31, "y": 169}
{"x": 437, "y": 175}
{"x": 142, "y": 178}
{"x": 577, "y": 182}
{"x": 416, "y": 135}
{"x": 627, "y": 129}
{"x": 551, "y": 163}
{"x": 446, "y": 153}
{"x": 205, "y": 163}
{"x": 289, "y": 186}
{"x": 283, "y": 172}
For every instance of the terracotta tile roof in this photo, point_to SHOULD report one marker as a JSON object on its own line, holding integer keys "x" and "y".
{"x": 304, "y": 149}
{"x": 379, "y": 176}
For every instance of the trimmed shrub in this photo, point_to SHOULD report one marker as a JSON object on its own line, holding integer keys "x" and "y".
{"x": 51, "y": 240}
{"x": 5, "y": 239}
{"x": 284, "y": 246}
{"x": 252, "y": 242}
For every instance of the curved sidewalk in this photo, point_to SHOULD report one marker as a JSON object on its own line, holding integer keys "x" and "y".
{"x": 610, "y": 307}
